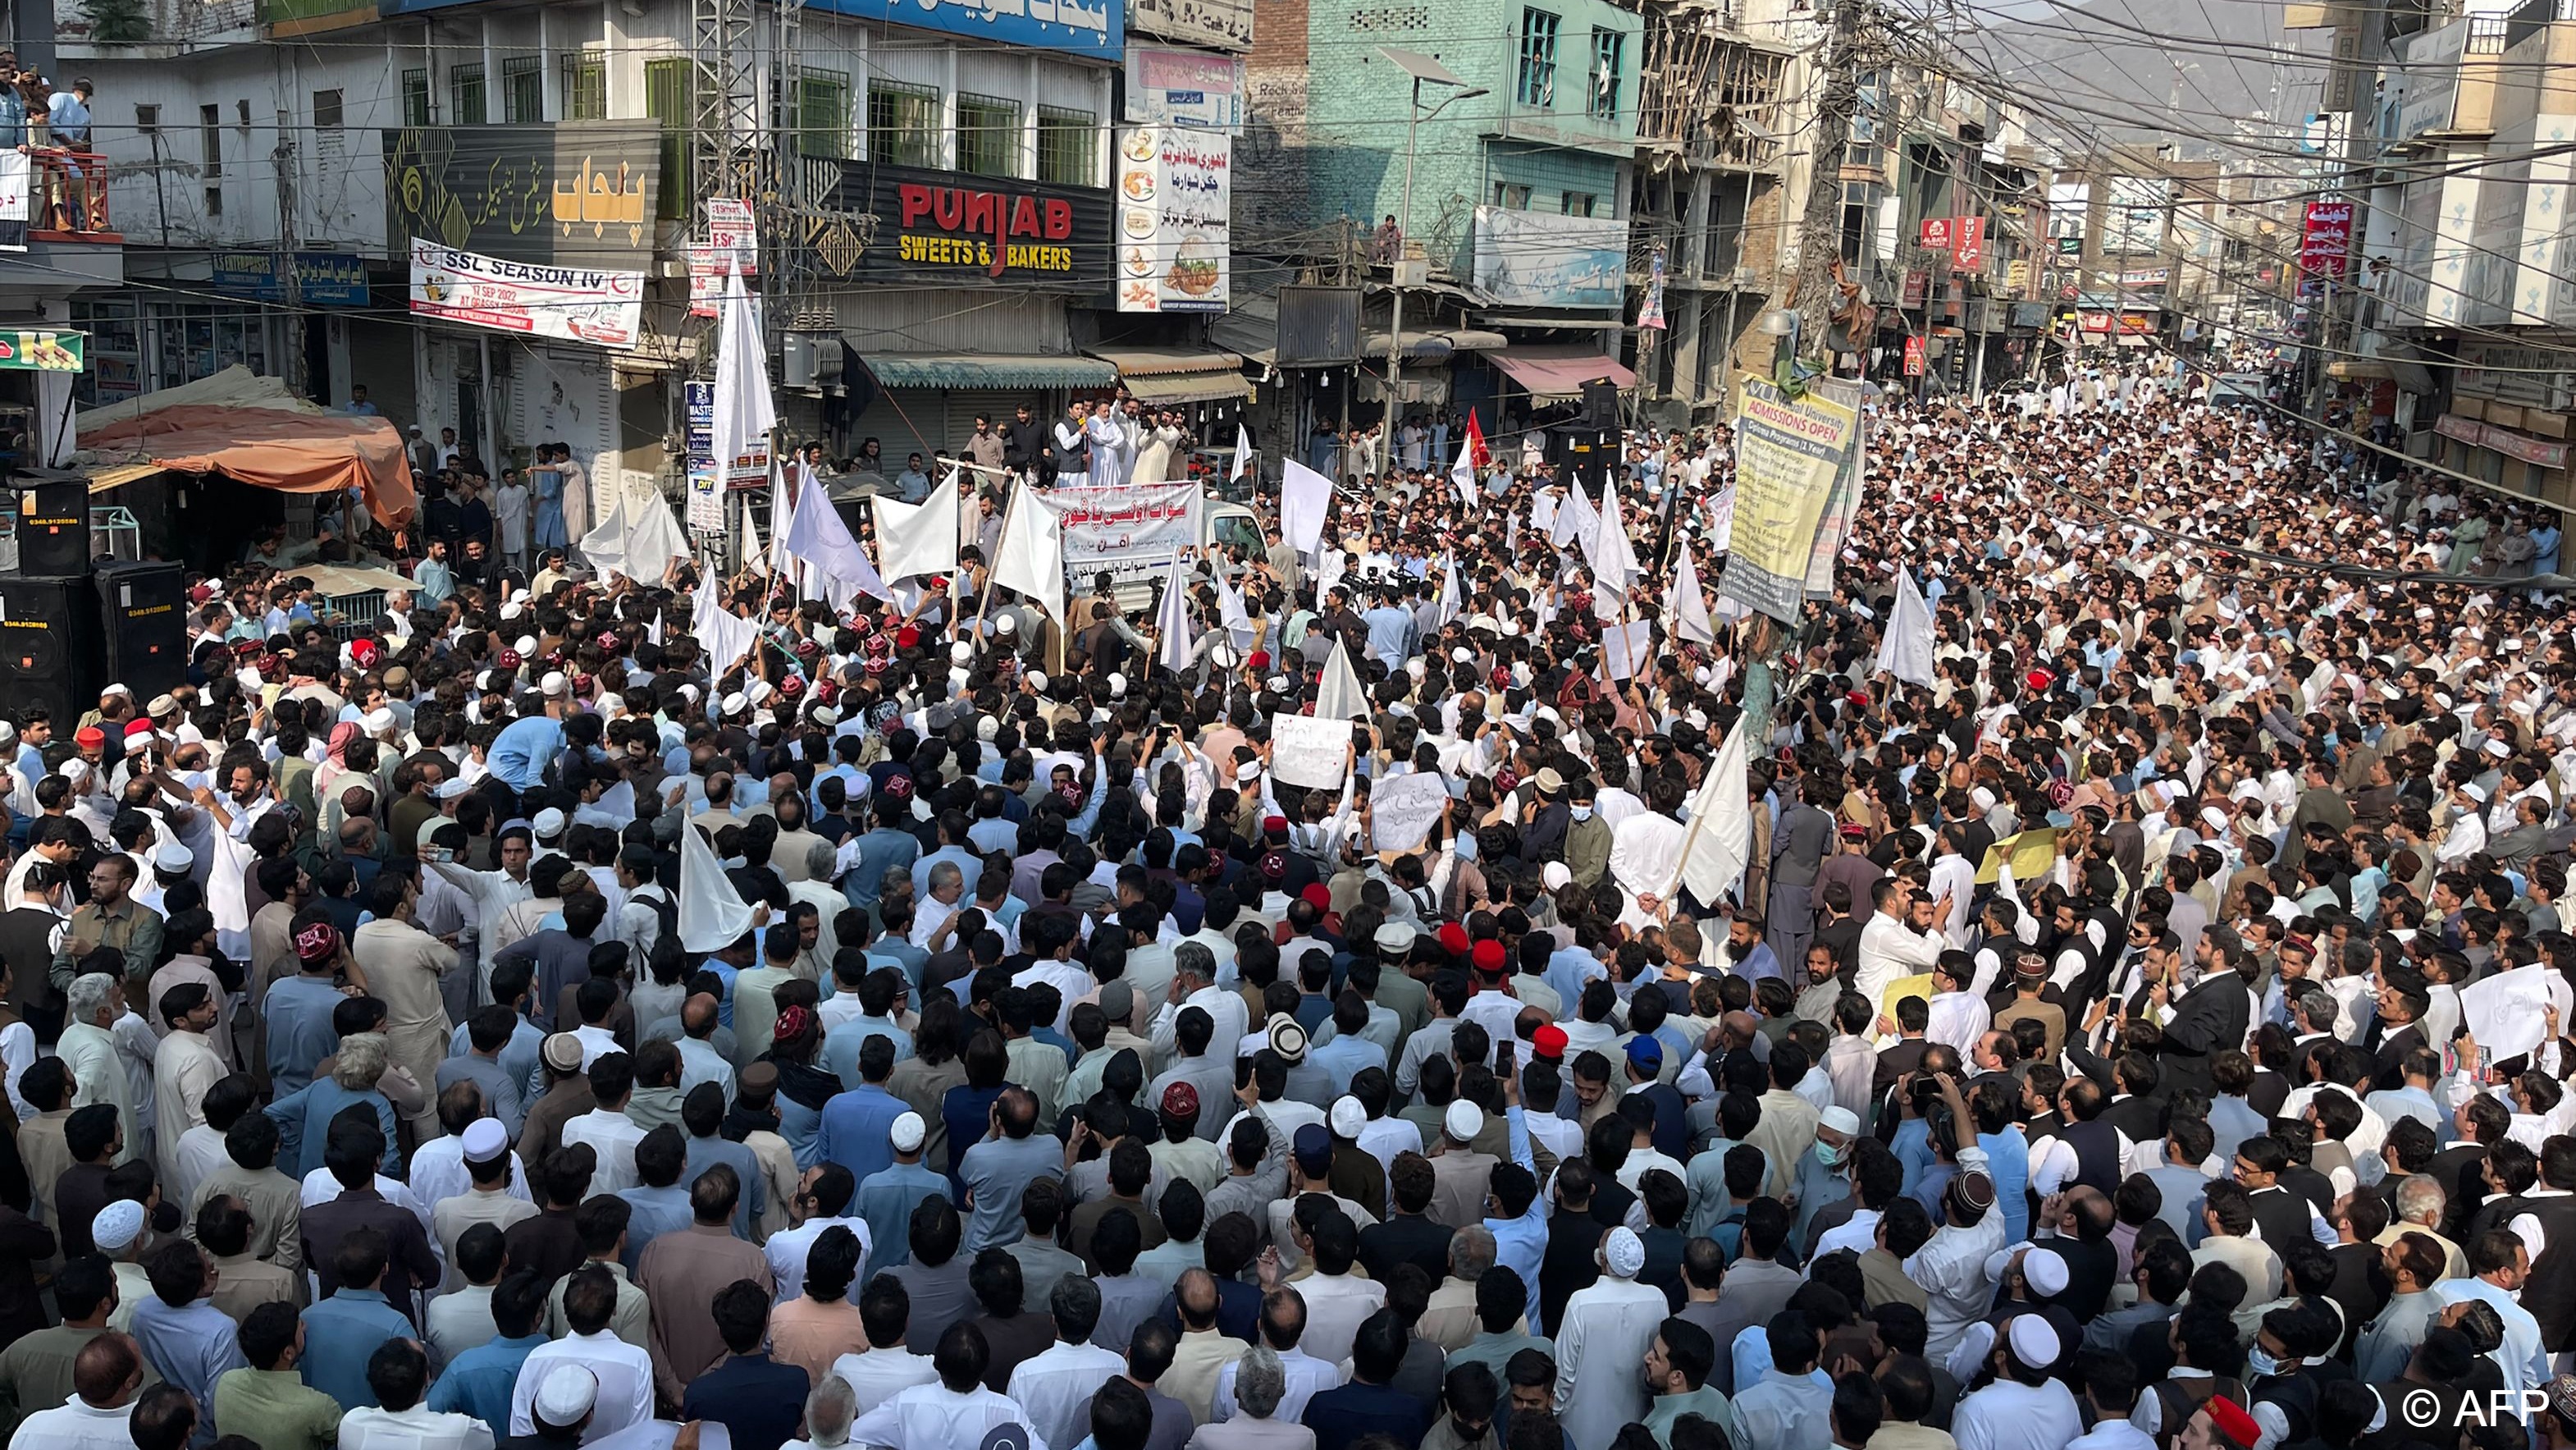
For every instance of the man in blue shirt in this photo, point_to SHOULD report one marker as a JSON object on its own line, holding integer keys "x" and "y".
{"x": 887, "y": 1197}
{"x": 523, "y": 749}
{"x": 887, "y": 844}
{"x": 478, "y": 1382}
{"x": 1370, "y": 1404}
{"x": 183, "y": 1335}
{"x": 857, "y": 1124}
{"x": 757, "y": 1399}
{"x": 342, "y": 1332}
{"x": 1391, "y": 631}
{"x": 432, "y": 580}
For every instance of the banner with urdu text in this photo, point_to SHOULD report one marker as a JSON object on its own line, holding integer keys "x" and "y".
{"x": 1787, "y": 454}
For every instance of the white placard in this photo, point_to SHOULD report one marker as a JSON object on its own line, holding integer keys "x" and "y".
{"x": 1402, "y": 810}
{"x": 1305, "y": 751}
{"x": 2504, "y": 1012}
{"x": 1628, "y": 646}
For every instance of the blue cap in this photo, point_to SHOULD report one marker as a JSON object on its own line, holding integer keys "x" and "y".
{"x": 1645, "y": 1054}
{"x": 1314, "y": 1145}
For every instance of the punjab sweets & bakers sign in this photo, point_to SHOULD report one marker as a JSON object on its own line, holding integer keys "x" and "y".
{"x": 947, "y": 228}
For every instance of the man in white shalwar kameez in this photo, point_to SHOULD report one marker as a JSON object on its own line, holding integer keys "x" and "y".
{"x": 1645, "y": 860}
{"x": 1601, "y": 1343}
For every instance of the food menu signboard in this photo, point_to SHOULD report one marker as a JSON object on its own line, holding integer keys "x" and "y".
{"x": 1175, "y": 219}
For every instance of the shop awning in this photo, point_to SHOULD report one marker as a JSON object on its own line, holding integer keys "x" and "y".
{"x": 964, "y": 370}
{"x": 109, "y": 477}
{"x": 2401, "y": 366}
{"x": 2131, "y": 339}
{"x": 250, "y": 429}
{"x": 1433, "y": 344}
{"x": 2360, "y": 369}
{"x": 1251, "y": 329}
{"x": 1558, "y": 372}
{"x": 1160, "y": 376}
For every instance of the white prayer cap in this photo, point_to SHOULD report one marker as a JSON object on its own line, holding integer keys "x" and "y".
{"x": 554, "y": 684}
{"x": 1117, "y": 685}
{"x": 485, "y": 1140}
{"x": 1038, "y": 681}
{"x": 1463, "y": 1122}
{"x": 173, "y": 857}
{"x": 548, "y": 825}
{"x": 1555, "y": 874}
{"x": 565, "y": 1395}
{"x": 1623, "y": 1254}
{"x": 733, "y": 704}
{"x": 1348, "y": 1117}
{"x": 2033, "y": 1342}
{"x": 115, "y": 1227}
{"x": 455, "y": 788}
{"x": 907, "y": 1133}
{"x": 961, "y": 652}
{"x": 2045, "y": 1271}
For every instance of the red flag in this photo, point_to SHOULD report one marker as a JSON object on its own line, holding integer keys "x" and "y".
{"x": 1477, "y": 453}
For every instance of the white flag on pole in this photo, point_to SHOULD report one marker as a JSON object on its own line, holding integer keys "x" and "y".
{"x": 1341, "y": 696}
{"x": 1720, "y": 839}
{"x": 1905, "y": 650}
{"x": 1305, "y": 501}
{"x": 1031, "y": 556}
{"x": 713, "y": 916}
{"x": 917, "y": 539}
{"x": 724, "y": 635}
{"x": 1229, "y": 608}
{"x": 1689, "y": 606}
{"x": 1614, "y": 564}
{"x": 1242, "y": 451}
{"x": 1452, "y": 598}
{"x": 1172, "y": 620}
{"x": 1462, "y": 474}
{"x": 822, "y": 540}
{"x": 782, "y": 522}
{"x": 744, "y": 413}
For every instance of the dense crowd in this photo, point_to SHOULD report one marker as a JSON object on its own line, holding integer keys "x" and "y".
{"x": 529, "y": 1020}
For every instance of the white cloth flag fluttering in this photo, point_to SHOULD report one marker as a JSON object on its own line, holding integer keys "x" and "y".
{"x": 1031, "y": 556}
{"x": 1172, "y": 620}
{"x": 1720, "y": 841}
{"x": 1689, "y": 606}
{"x": 915, "y": 539}
{"x": 713, "y": 915}
{"x": 1905, "y": 650}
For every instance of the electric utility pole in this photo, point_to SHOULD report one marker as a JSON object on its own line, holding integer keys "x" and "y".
{"x": 1820, "y": 233}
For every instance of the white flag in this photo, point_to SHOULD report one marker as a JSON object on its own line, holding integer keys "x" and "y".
{"x": 713, "y": 915}
{"x": 1172, "y": 620}
{"x": 724, "y": 635}
{"x": 1305, "y": 499}
{"x": 1031, "y": 556}
{"x": 1614, "y": 564}
{"x": 782, "y": 522}
{"x": 1242, "y": 452}
{"x": 1575, "y": 522}
{"x": 1905, "y": 650}
{"x": 1688, "y": 606}
{"x": 744, "y": 414}
{"x": 1720, "y": 839}
{"x": 605, "y": 545}
{"x": 1229, "y": 608}
{"x": 755, "y": 554}
{"x": 1341, "y": 696}
{"x": 823, "y": 541}
{"x": 1463, "y": 474}
{"x": 916, "y": 539}
{"x": 1452, "y": 598}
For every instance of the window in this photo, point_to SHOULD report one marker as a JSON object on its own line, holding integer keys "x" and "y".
{"x": 147, "y": 120}
{"x": 1511, "y": 197}
{"x": 1608, "y": 46}
{"x": 523, "y": 88}
{"x": 326, "y": 110}
{"x": 1068, "y": 143}
{"x": 669, "y": 98}
{"x": 1538, "y": 58}
{"x": 415, "y": 96}
{"x": 210, "y": 135}
{"x": 823, "y": 114}
{"x": 214, "y": 201}
{"x": 988, "y": 135}
{"x": 1577, "y": 203}
{"x": 465, "y": 95}
{"x": 585, "y": 86}
{"x": 903, "y": 123}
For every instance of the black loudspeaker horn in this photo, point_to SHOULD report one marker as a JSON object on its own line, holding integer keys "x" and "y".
{"x": 143, "y": 612}
{"x": 1601, "y": 404}
{"x": 50, "y": 646}
{"x": 53, "y": 524}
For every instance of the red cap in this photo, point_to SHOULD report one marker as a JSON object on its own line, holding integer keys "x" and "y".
{"x": 1317, "y": 896}
{"x": 1488, "y": 956}
{"x": 2232, "y": 1421}
{"x": 90, "y": 737}
{"x": 1260, "y": 659}
{"x": 1453, "y": 938}
{"x": 1181, "y": 1100}
{"x": 137, "y": 727}
{"x": 906, "y": 637}
{"x": 2039, "y": 679}
{"x": 364, "y": 652}
{"x": 1278, "y": 824}
{"x": 1548, "y": 1043}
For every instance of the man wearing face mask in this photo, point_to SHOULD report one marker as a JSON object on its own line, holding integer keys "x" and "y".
{"x": 1586, "y": 849}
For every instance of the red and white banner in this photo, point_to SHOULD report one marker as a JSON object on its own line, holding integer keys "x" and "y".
{"x": 2326, "y": 241}
{"x": 574, "y": 304}
{"x": 1968, "y": 243}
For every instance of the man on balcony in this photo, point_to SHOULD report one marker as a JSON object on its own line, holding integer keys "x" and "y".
{"x": 67, "y": 125}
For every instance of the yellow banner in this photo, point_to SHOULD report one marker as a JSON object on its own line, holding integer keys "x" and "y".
{"x": 1900, "y": 989}
{"x": 1787, "y": 455}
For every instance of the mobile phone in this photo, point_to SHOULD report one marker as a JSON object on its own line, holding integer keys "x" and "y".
{"x": 1503, "y": 1055}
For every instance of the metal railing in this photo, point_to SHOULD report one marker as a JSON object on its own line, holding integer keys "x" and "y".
{"x": 71, "y": 192}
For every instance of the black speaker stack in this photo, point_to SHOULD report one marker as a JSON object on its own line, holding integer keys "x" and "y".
{"x": 69, "y": 624}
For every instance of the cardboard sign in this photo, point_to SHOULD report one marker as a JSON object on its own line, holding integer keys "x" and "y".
{"x": 1308, "y": 752}
{"x": 1403, "y": 810}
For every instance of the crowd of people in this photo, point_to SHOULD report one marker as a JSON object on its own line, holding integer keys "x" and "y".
{"x": 940, "y": 1026}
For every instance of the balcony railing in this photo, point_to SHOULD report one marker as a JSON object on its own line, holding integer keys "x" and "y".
{"x": 70, "y": 201}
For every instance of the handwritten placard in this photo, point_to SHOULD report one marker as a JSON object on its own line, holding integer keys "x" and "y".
{"x": 1308, "y": 752}
{"x": 1402, "y": 810}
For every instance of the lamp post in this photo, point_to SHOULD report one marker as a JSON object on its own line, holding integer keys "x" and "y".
{"x": 1421, "y": 68}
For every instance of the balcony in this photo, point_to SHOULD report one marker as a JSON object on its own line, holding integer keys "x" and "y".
{"x": 69, "y": 203}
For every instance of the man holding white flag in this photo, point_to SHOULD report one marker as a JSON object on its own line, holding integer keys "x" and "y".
{"x": 1905, "y": 650}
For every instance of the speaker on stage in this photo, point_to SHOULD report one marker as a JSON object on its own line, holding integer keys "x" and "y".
{"x": 51, "y": 646}
{"x": 52, "y": 512}
{"x": 143, "y": 612}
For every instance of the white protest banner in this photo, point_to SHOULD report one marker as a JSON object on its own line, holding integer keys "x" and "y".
{"x": 574, "y": 304}
{"x": 1308, "y": 752}
{"x": 1127, "y": 531}
{"x": 1402, "y": 810}
{"x": 2504, "y": 1012}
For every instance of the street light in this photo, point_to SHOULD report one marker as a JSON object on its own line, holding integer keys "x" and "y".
{"x": 1421, "y": 68}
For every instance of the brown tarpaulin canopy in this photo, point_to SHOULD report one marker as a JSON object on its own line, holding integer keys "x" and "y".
{"x": 246, "y": 428}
